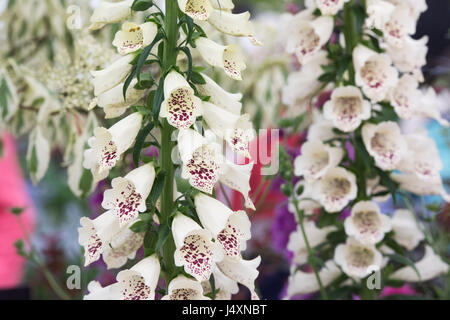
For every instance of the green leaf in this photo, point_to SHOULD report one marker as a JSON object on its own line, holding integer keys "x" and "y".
{"x": 146, "y": 81}
{"x": 187, "y": 52}
{"x": 141, "y": 5}
{"x": 139, "y": 226}
{"x": 145, "y": 53}
{"x": 158, "y": 186}
{"x": 197, "y": 78}
{"x": 404, "y": 261}
{"x": 16, "y": 210}
{"x": 140, "y": 140}
{"x": 163, "y": 235}
{"x": 33, "y": 162}
{"x": 86, "y": 182}
{"x": 20, "y": 248}
{"x": 150, "y": 240}
{"x": 159, "y": 98}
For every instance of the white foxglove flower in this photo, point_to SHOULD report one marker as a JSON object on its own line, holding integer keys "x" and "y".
{"x": 374, "y": 73}
{"x": 422, "y": 157}
{"x": 110, "y": 12}
{"x": 302, "y": 84}
{"x": 330, "y": 7}
{"x": 95, "y": 235}
{"x": 305, "y": 200}
{"x": 97, "y": 292}
{"x": 194, "y": 249}
{"x": 242, "y": 271}
{"x": 416, "y": 7}
{"x": 405, "y": 97}
{"x": 315, "y": 236}
{"x": 139, "y": 282}
{"x": 229, "y": 58}
{"x": 357, "y": 259}
{"x": 113, "y": 103}
{"x": 316, "y": 158}
{"x": 305, "y": 282}
{"x": 237, "y": 25}
{"x": 428, "y": 107}
{"x": 366, "y": 223}
{"x": 411, "y": 57}
{"x": 237, "y": 177}
{"x": 223, "y": 4}
{"x": 385, "y": 143}
{"x": 399, "y": 25}
{"x": 227, "y": 287}
{"x": 308, "y": 36}
{"x": 112, "y": 76}
{"x": 406, "y": 230}
{"x": 183, "y": 288}
{"x": 230, "y": 229}
{"x": 429, "y": 267}
{"x": 122, "y": 247}
{"x": 128, "y": 194}
{"x": 196, "y": 9}
{"x": 335, "y": 189}
{"x": 181, "y": 107}
{"x": 202, "y": 160}
{"x": 107, "y": 145}
{"x": 218, "y": 96}
{"x": 133, "y": 37}
{"x": 321, "y": 129}
{"x": 379, "y": 13}
{"x": 412, "y": 183}
{"x": 347, "y": 108}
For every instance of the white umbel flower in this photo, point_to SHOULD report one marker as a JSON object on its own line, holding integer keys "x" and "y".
{"x": 406, "y": 230}
{"x": 316, "y": 158}
{"x": 347, "y": 108}
{"x": 194, "y": 249}
{"x": 374, "y": 73}
{"x": 133, "y": 37}
{"x": 229, "y": 58}
{"x": 385, "y": 143}
{"x": 429, "y": 267}
{"x": 112, "y": 76}
{"x": 230, "y": 229}
{"x": 181, "y": 107}
{"x": 128, "y": 194}
{"x": 366, "y": 223}
{"x": 316, "y": 236}
{"x": 107, "y": 145}
{"x": 357, "y": 259}
{"x": 183, "y": 288}
{"x": 335, "y": 189}
{"x": 110, "y": 12}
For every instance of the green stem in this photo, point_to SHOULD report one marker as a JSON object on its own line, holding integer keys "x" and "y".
{"x": 350, "y": 35}
{"x": 167, "y": 203}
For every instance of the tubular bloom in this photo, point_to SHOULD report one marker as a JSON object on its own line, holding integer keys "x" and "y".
{"x": 133, "y": 37}
{"x": 406, "y": 229}
{"x": 110, "y": 12}
{"x": 182, "y": 288}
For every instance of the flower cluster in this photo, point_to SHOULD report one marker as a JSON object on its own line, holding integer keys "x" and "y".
{"x": 356, "y": 155}
{"x": 166, "y": 204}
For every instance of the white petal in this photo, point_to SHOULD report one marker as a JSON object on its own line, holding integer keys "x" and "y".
{"x": 110, "y": 12}
{"x": 112, "y": 76}
{"x": 237, "y": 177}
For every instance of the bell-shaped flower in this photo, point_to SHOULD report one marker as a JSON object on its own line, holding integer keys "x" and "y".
{"x": 406, "y": 229}
{"x": 422, "y": 157}
{"x": 110, "y": 12}
{"x": 347, "y": 108}
{"x": 416, "y": 7}
{"x": 229, "y": 58}
{"x": 202, "y": 160}
{"x": 385, "y": 143}
{"x": 113, "y": 103}
{"x": 379, "y": 13}
{"x": 316, "y": 236}
{"x": 97, "y": 292}
{"x": 113, "y": 75}
{"x": 330, "y": 7}
{"x": 226, "y": 286}
{"x": 428, "y": 107}
{"x": 237, "y": 25}
{"x": 242, "y": 271}
{"x": 429, "y": 267}
{"x": 374, "y": 73}
{"x": 183, "y": 288}
{"x": 335, "y": 189}
{"x": 196, "y": 9}
{"x": 316, "y": 158}
{"x": 107, "y": 145}
{"x": 321, "y": 129}
{"x": 399, "y": 25}
{"x": 181, "y": 107}
{"x": 305, "y": 282}
{"x": 122, "y": 247}
{"x": 356, "y": 259}
{"x": 95, "y": 235}
{"x": 231, "y": 102}
{"x": 405, "y": 96}
{"x": 412, "y": 183}
{"x": 308, "y": 37}
{"x": 194, "y": 249}
{"x": 133, "y": 37}
{"x": 139, "y": 282}
{"x": 128, "y": 194}
{"x": 411, "y": 57}
{"x": 237, "y": 177}
{"x": 305, "y": 201}
{"x": 366, "y": 223}
{"x": 230, "y": 229}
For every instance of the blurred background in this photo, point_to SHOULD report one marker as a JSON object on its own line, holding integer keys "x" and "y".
{"x": 50, "y": 212}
